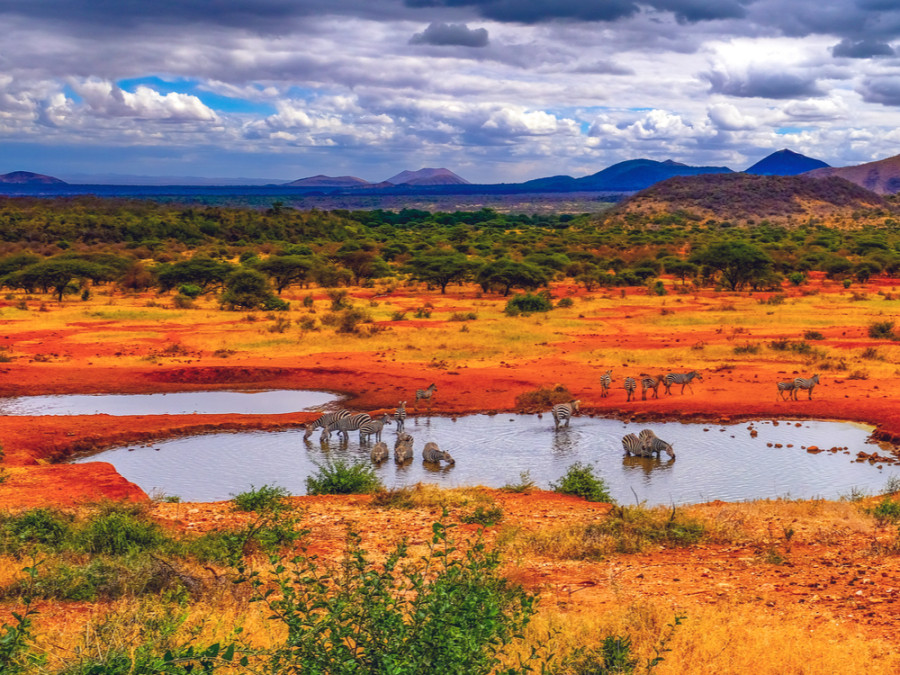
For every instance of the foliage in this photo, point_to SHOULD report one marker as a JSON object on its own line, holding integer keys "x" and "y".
{"x": 246, "y": 289}
{"x": 580, "y": 481}
{"x": 483, "y": 515}
{"x": 525, "y": 484}
{"x": 528, "y": 303}
{"x": 41, "y": 526}
{"x": 739, "y": 262}
{"x": 450, "y": 612}
{"x": 882, "y": 330}
{"x": 118, "y": 530}
{"x": 340, "y": 477}
{"x": 265, "y": 499}
{"x": 543, "y": 398}
{"x": 439, "y": 268}
{"x": 886, "y": 511}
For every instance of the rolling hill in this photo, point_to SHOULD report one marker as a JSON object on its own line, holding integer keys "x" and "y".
{"x": 881, "y": 177}
{"x": 785, "y": 163}
{"x": 427, "y": 177}
{"x": 29, "y": 178}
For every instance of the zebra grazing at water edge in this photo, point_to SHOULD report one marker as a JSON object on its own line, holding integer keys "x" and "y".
{"x": 345, "y": 425}
{"x": 400, "y": 416}
{"x": 605, "y": 383}
{"x": 684, "y": 379}
{"x": 323, "y": 421}
{"x": 786, "y": 387}
{"x": 403, "y": 451}
{"x": 426, "y": 394}
{"x": 808, "y": 384}
{"x": 379, "y": 452}
{"x": 373, "y": 428}
{"x": 650, "y": 382}
{"x": 658, "y": 445}
{"x": 432, "y": 453}
{"x": 630, "y": 386}
{"x": 633, "y": 445}
{"x": 564, "y": 411}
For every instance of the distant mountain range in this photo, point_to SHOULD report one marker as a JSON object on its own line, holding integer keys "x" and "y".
{"x": 881, "y": 177}
{"x": 422, "y": 177}
{"x": 28, "y": 178}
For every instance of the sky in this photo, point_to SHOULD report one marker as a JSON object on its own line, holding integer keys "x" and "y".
{"x": 495, "y": 90}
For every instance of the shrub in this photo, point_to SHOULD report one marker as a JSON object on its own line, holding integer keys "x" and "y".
{"x": 190, "y": 290}
{"x": 463, "y": 316}
{"x": 580, "y": 481}
{"x": 525, "y": 484}
{"x": 340, "y": 477}
{"x": 118, "y": 531}
{"x": 265, "y": 499}
{"x": 746, "y": 349}
{"x": 45, "y": 527}
{"x": 275, "y": 304}
{"x": 882, "y": 330}
{"x": 397, "y": 498}
{"x": 544, "y": 397}
{"x": 527, "y": 303}
{"x": 565, "y": 302}
{"x": 483, "y": 515}
{"x": 813, "y": 335}
{"x": 182, "y": 302}
{"x": 886, "y": 511}
{"x": 796, "y": 278}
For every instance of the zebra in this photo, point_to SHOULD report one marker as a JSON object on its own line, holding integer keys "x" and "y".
{"x": 646, "y": 435}
{"x": 432, "y": 453}
{"x": 786, "y": 387}
{"x": 403, "y": 451}
{"x": 426, "y": 394}
{"x": 564, "y": 411}
{"x": 323, "y": 421}
{"x": 650, "y": 382}
{"x": 345, "y": 425}
{"x": 373, "y": 428}
{"x": 403, "y": 437}
{"x": 808, "y": 384}
{"x": 630, "y": 386}
{"x": 658, "y": 445}
{"x": 400, "y": 416}
{"x": 605, "y": 383}
{"x": 379, "y": 452}
{"x": 684, "y": 379}
{"x": 633, "y": 445}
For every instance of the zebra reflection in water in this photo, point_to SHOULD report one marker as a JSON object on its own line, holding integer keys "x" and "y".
{"x": 647, "y": 465}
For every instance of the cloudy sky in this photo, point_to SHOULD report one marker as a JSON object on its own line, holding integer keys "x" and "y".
{"x": 496, "y": 90}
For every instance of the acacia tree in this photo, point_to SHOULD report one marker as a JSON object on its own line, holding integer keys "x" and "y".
{"x": 738, "y": 261}
{"x": 439, "y": 268}
{"x": 285, "y": 270}
{"x": 55, "y": 274}
{"x": 204, "y": 272}
{"x": 508, "y": 274}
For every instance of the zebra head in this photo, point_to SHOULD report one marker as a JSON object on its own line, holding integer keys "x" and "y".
{"x": 575, "y": 405}
{"x": 668, "y": 449}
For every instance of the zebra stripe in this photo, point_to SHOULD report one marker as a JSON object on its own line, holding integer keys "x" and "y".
{"x": 786, "y": 387}
{"x": 564, "y": 411}
{"x": 650, "y": 382}
{"x": 633, "y": 445}
{"x": 646, "y": 435}
{"x": 323, "y": 421}
{"x": 684, "y": 379}
{"x": 630, "y": 386}
{"x": 400, "y": 416}
{"x": 658, "y": 445}
{"x": 605, "y": 383}
{"x": 379, "y": 452}
{"x": 347, "y": 424}
{"x": 373, "y": 427}
{"x": 803, "y": 383}
{"x": 432, "y": 453}
{"x": 426, "y": 394}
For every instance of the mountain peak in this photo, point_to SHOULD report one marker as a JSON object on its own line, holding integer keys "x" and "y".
{"x": 321, "y": 180}
{"x": 427, "y": 177}
{"x": 29, "y": 178}
{"x": 785, "y": 162}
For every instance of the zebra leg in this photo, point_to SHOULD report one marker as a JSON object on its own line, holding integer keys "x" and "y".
{"x": 810, "y": 393}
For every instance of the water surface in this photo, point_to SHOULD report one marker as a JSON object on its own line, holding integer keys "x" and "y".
{"x": 713, "y": 461}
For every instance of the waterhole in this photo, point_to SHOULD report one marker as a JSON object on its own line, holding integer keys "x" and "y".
{"x": 712, "y": 461}
{"x": 271, "y": 402}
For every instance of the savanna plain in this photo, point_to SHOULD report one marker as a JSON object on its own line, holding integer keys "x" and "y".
{"x": 96, "y": 576}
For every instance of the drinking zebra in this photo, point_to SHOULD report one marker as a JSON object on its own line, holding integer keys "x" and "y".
{"x": 633, "y": 445}
{"x": 650, "y": 382}
{"x": 403, "y": 451}
{"x": 605, "y": 383}
{"x": 345, "y": 425}
{"x": 432, "y": 453}
{"x": 426, "y": 394}
{"x": 373, "y": 428}
{"x": 400, "y": 416}
{"x": 379, "y": 452}
{"x": 323, "y": 421}
{"x": 684, "y": 379}
{"x": 630, "y": 386}
{"x": 808, "y": 384}
{"x": 786, "y": 387}
{"x": 564, "y": 411}
{"x": 402, "y": 437}
{"x": 658, "y": 445}
{"x": 646, "y": 435}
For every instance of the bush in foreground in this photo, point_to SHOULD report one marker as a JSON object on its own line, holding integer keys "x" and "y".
{"x": 580, "y": 481}
{"x": 340, "y": 477}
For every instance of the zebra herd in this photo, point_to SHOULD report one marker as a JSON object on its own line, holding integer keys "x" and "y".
{"x": 649, "y": 383}
{"x": 645, "y": 444}
{"x": 795, "y": 385}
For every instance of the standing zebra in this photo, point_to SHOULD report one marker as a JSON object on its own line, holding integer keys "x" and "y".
{"x": 786, "y": 387}
{"x": 650, "y": 382}
{"x": 605, "y": 383}
{"x": 630, "y": 386}
{"x": 345, "y": 425}
{"x": 684, "y": 379}
{"x": 426, "y": 394}
{"x": 323, "y": 421}
{"x": 400, "y": 416}
{"x": 564, "y": 411}
{"x": 808, "y": 384}
{"x": 373, "y": 428}
{"x": 633, "y": 445}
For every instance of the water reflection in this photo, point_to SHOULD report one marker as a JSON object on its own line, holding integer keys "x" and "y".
{"x": 646, "y": 465}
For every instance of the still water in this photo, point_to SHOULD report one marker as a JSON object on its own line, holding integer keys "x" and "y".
{"x": 272, "y": 402}
{"x": 712, "y": 462}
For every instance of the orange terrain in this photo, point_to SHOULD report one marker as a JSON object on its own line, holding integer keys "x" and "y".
{"x": 833, "y": 576}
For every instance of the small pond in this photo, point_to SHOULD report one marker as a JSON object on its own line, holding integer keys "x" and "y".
{"x": 713, "y": 461}
{"x": 271, "y": 402}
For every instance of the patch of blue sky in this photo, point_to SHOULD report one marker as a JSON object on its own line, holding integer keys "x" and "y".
{"x": 218, "y": 102}
{"x": 71, "y": 94}
{"x": 784, "y": 131}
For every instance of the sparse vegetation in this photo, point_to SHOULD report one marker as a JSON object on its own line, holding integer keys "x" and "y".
{"x": 581, "y": 481}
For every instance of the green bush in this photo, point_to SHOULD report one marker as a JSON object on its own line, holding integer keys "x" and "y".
{"x": 483, "y": 515}
{"x": 565, "y": 302}
{"x": 527, "y": 303}
{"x": 118, "y": 530}
{"x": 629, "y": 529}
{"x": 40, "y": 526}
{"x": 882, "y": 330}
{"x": 340, "y": 477}
{"x": 190, "y": 290}
{"x": 265, "y": 499}
{"x": 886, "y": 511}
{"x": 813, "y": 335}
{"x": 580, "y": 481}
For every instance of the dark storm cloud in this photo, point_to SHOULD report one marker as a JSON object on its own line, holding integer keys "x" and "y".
{"x": 451, "y": 34}
{"x": 861, "y": 49}
{"x": 759, "y": 84}
{"x": 884, "y": 90}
